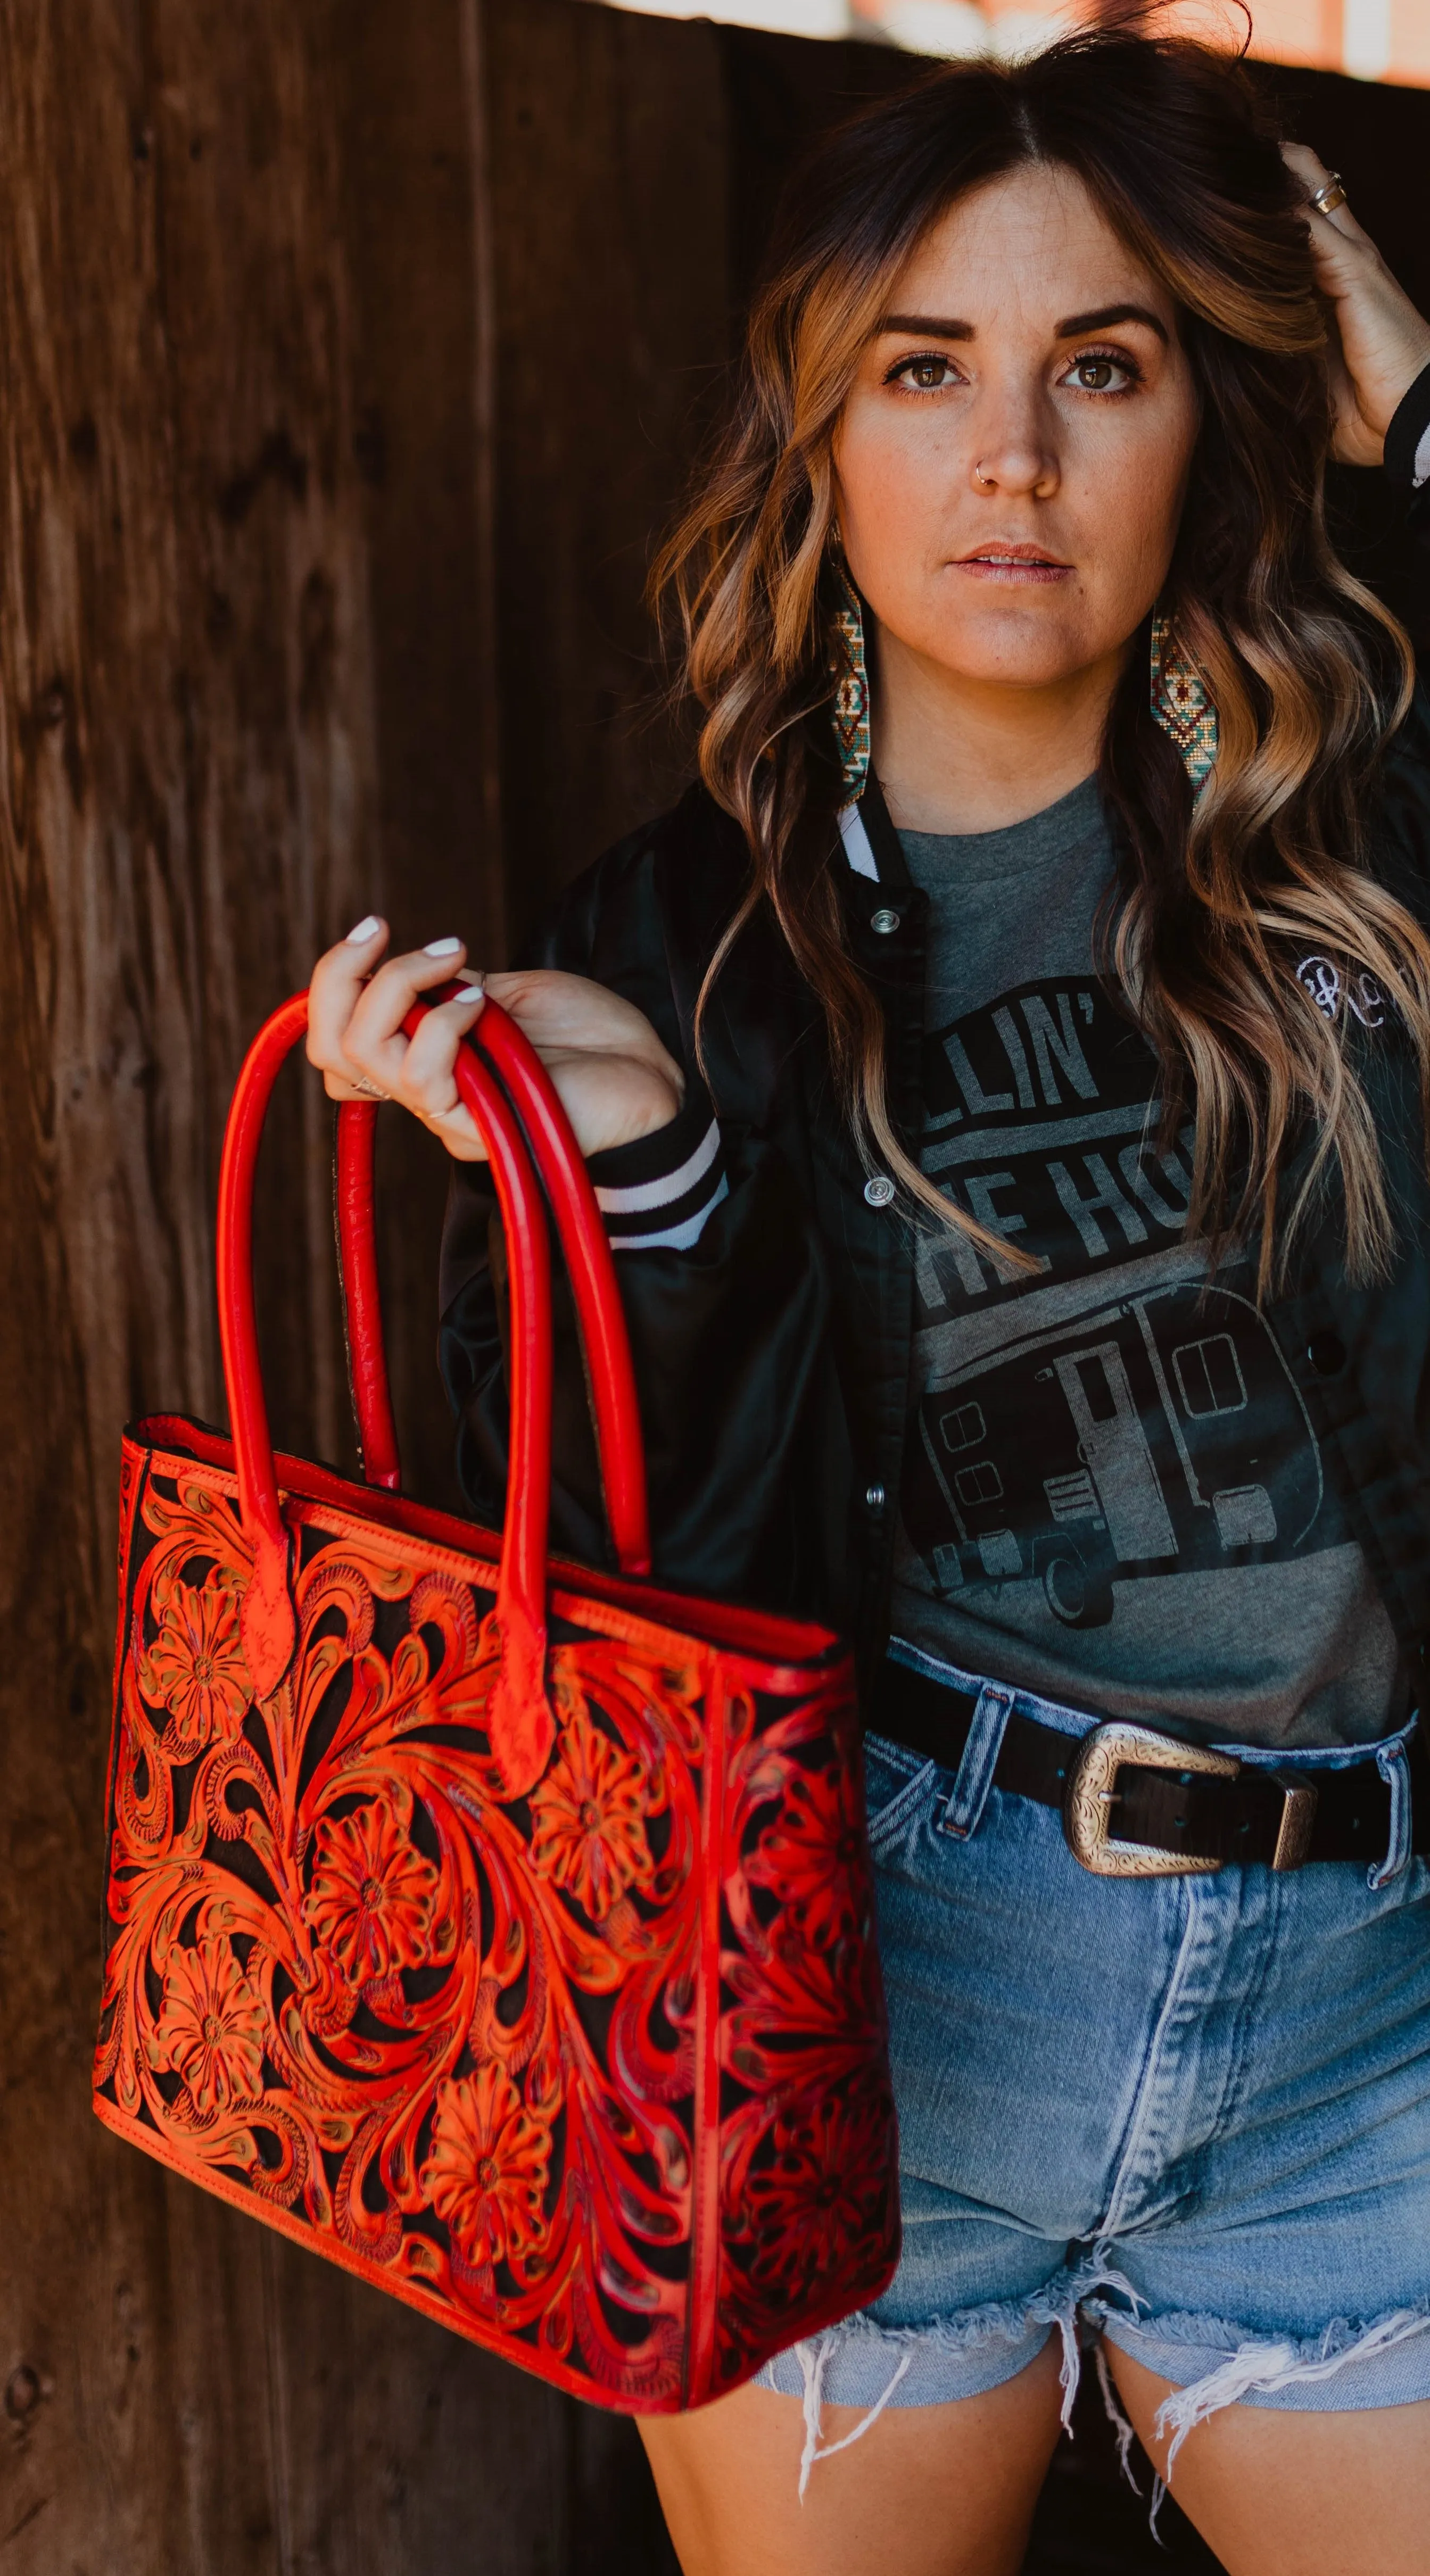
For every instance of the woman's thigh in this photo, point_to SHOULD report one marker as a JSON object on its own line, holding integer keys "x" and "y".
{"x": 1283, "y": 2494}
{"x": 925, "y": 2491}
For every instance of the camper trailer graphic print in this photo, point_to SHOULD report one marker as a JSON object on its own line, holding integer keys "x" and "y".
{"x": 1115, "y": 1418}
{"x": 1158, "y": 1434}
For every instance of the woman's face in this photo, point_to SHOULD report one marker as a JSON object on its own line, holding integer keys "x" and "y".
{"x": 1013, "y": 455}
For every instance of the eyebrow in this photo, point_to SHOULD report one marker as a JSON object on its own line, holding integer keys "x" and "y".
{"x": 936, "y": 326}
{"x": 1105, "y": 319}
{"x": 928, "y": 324}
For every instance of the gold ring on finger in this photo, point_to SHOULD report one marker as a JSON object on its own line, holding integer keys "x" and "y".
{"x": 368, "y": 1089}
{"x": 1329, "y": 195}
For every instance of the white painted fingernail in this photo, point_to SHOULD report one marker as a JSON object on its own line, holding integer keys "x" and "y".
{"x": 441, "y": 948}
{"x": 363, "y": 930}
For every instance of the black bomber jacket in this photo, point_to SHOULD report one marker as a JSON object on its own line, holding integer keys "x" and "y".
{"x": 769, "y": 1286}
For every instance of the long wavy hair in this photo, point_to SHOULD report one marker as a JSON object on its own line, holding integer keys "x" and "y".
{"x": 1309, "y": 673}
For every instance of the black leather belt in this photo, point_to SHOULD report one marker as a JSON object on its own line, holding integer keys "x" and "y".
{"x": 1139, "y": 1804}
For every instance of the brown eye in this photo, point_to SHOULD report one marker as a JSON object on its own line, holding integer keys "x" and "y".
{"x": 1100, "y": 375}
{"x": 925, "y": 375}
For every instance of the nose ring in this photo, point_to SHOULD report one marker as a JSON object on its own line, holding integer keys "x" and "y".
{"x": 985, "y": 479}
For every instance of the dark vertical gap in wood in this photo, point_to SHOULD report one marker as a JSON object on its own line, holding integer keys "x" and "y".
{"x": 417, "y": 247}
{"x": 783, "y": 92}
{"x": 608, "y": 181}
{"x": 479, "y": 108}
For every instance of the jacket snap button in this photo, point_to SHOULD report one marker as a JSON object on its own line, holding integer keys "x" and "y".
{"x": 1327, "y": 1354}
{"x": 883, "y": 921}
{"x": 879, "y": 1191}
{"x": 874, "y": 1497}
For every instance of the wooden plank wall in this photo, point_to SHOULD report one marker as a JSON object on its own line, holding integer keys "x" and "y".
{"x": 353, "y": 353}
{"x": 240, "y": 507}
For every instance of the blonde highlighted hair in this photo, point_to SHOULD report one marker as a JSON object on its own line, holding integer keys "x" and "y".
{"x": 1309, "y": 673}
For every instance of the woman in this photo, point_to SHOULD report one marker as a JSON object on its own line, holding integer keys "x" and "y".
{"x": 1012, "y": 1129}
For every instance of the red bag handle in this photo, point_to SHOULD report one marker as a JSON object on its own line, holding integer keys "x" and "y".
{"x": 520, "y": 1724}
{"x": 362, "y": 1298}
{"x": 557, "y": 1156}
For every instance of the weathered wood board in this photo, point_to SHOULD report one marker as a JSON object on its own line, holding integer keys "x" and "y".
{"x": 242, "y": 602}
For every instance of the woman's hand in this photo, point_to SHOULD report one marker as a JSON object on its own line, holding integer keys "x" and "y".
{"x": 1381, "y": 343}
{"x": 616, "y": 1081}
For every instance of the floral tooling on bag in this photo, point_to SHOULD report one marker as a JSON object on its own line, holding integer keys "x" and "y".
{"x": 454, "y": 2039}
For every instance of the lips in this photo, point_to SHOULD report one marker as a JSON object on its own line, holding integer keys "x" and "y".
{"x": 996, "y": 560}
{"x": 998, "y": 550}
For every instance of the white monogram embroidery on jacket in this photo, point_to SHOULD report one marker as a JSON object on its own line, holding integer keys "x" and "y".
{"x": 1323, "y": 981}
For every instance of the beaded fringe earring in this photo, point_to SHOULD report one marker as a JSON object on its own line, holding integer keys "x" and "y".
{"x": 849, "y": 672}
{"x": 1181, "y": 703}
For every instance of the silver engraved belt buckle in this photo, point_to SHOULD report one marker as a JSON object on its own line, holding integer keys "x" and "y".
{"x": 1091, "y": 1794}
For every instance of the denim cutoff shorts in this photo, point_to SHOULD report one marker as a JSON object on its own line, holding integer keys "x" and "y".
{"x": 1190, "y": 2114}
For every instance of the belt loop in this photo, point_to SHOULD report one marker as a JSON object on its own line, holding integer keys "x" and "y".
{"x": 980, "y": 1757}
{"x": 1392, "y": 1762}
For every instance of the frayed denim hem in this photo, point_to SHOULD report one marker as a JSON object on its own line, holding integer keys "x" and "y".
{"x": 864, "y": 2363}
{"x": 1214, "y": 2366}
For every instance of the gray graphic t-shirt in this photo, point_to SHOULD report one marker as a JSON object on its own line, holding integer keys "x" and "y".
{"x": 1113, "y": 1492}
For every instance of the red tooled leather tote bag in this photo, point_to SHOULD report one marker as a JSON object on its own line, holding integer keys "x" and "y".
{"x": 497, "y": 1928}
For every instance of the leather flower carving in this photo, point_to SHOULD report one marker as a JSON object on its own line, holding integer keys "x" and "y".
{"x": 371, "y": 1898}
{"x": 210, "y": 2026}
{"x": 588, "y": 1819}
{"x": 809, "y": 1857}
{"x": 195, "y": 1666}
{"x": 817, "y": 2193}
{"x": 488, "y": 2167}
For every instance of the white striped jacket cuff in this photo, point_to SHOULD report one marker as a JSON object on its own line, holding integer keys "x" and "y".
{"x": 657, "y": 1195}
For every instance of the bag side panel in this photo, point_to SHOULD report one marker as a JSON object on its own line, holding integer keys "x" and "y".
{"x": 133, "y": 1467}
{"x": 703, "y": 2340}
{"x": 808, "y": 2147}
